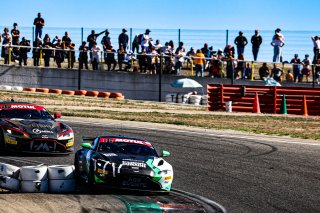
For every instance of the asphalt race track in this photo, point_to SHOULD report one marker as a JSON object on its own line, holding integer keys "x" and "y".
{"x": 243, "y": 173}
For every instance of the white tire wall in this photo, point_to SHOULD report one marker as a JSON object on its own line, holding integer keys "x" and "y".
{"x": 34, "y": 186}
{"x": 60, "y": 172}
{"x": 9, "y": 170}
{"x": 62, "y": 186}
{"x": 195, "y": 99}
{"x": 17, "y": 88}
{"x": 34, "y": 173}
{"x": 5, "y": 87}
{"x": 9, "y": 183}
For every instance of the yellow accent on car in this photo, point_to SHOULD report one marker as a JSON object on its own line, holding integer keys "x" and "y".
{"x": 168, "y": 178}
{"x": 70, "y": 143}
{"x": 102, "y": 172}
{"x": 11, "y": 141}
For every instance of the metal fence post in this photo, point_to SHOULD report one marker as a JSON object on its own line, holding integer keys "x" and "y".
{"x": 227, "y": 37}
{"x": 130, "y": 39}
{"x": 33, "y": 34}
{"x": 179, "y": 36}
{"x": 81, "y": 34}
{"x": 313, "y": 77}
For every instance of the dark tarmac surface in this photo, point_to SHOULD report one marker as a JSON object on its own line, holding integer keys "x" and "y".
{"x": 243, "y": 174}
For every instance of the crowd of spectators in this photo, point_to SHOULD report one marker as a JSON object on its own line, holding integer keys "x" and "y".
{"x": 144, "y": 55}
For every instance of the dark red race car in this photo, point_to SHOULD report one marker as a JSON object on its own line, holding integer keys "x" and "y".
{"x": 28, "y": 127}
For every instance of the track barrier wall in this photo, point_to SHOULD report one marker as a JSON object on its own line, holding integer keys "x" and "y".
{"x": 298, "y": 100}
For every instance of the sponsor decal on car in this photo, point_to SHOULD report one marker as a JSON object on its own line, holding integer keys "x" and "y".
{"x": 38, "y": 131}
{"x": 22, "y": 107}
{"x": 70, "y": 143}
{"x": 110, "y": 154}
{"x": 134, "y": 164}
{"x": 125, "y": 140}
{"x": 11, "y": 141}
{"x": 101, "y": 171}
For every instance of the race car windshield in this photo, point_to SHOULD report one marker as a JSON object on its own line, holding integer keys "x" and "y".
{"x": 127, "y": 148}
{"x": 25, "y": 114}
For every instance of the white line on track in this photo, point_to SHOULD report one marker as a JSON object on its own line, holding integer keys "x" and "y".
{"x": 217, "y": 133}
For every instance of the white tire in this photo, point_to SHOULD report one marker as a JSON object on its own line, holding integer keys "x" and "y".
{"x": 9, "y": 170}
{"x": 5, "y": 87}
{"x": 60, "y": 172}
{"x": 62, "y": 186}
{"x": 17, "y": 88}
{"x": 30, "y": 186}
{"x": 34, "y": 173}
{"x": 9, "y": 183}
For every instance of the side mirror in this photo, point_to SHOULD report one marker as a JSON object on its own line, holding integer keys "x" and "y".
{"x": 57, "y": 115}
{"x": 165, "y": 153}
{"x": 86, "y": 145}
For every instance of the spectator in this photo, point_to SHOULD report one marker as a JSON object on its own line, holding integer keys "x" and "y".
{"x": 123, "y": 39}
{"x": 179, "y": 58}
{"x": 229, "y": 58}
{"x": 71, "y": 54}
{"x": 45, "y": 37}
{"x": 316, "y": 47}
{"x": 296, "y": 63}
{"x": 66, "y": 39}
{"x": 106, "y": 41}
{"x": 256, "y": 41}
{"x": 276, "y": 73}
{"x": 277, "y": 44}
{"x": 15, "y": 33}
{"x": 39, "y": 23}
{"x": 205, "y": 50}
{"x": 37, "y": 45}
{"x": 83, "y": 55}
{"x": 247, "y": 72}
{"x": 121, "y": 56}
{"x": 145, "y": 40}
{"x": 189, "y": 54}
{"x": 306, "y": 67}
{"x": 143, "y": 61}
{"x": 59, "y": 52}
{"x": 47, "y": 52}
{"x": 6, "y": 39}
{"x": 264, "y": 71}
{"x": 7, "y": 51}
{"x": 23, "y": 51}
{"x": 200, "y": 62}
{"x": 227, "y": 49}
{"x": 110, "y": 58}
{"x": 215, "y": 70}
{"x": 289, "y": 76}
{"x": 129, "y": 60}
{"x": 241, "y": 42}
{"x": 317, "y": 70}
{"x": 95, "y": 50}
{"x": 55, "y": 40}
{"x": 136, "y": 42}
{"x": 171, "y": 46}
{"x": 241, "y": 65}
{"x": 92, "y": 38}
{"x": 152, "y": 61}
{"x": 158, "y": 46}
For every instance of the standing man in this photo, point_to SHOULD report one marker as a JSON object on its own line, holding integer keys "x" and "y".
{"x": 39, "y": 23}
{"x": 316, "y": 47}
{"x": 241, "y": 42}
{"x": 256, "y": 41}
{"x": 123, "y": 39}
{"x": 91, "y": 39}
{"x": 200, "y": 62}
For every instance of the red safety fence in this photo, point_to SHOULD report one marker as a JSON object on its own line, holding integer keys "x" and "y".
{"x": 270, "y": 98}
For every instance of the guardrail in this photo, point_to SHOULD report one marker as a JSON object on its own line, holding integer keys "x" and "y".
{"x": 297, "y": 99}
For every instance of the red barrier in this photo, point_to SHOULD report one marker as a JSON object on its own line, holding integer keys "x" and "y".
{"x": 270, "y": 98}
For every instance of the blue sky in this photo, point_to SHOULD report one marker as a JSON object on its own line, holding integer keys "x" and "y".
{"x": 166, "y": 14}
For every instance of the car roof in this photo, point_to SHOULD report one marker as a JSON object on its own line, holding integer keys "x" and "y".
{"x": 126, "y": 139}
{"x": 20, "y": 105}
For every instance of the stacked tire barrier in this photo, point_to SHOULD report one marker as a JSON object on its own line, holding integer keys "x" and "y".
{"x": 37, "y": 179}
{"x": 270, "y": 98}
{"x": 187, "y": 99}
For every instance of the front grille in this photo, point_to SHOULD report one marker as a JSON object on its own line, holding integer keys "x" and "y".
{"x": 42, "y": 145}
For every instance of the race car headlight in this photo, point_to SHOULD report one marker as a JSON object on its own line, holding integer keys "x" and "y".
{"x": 16, "y": 133}
{"x": 165, "y": 172}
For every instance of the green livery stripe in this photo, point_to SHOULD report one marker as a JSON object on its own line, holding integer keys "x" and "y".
{"x": 97, "y": 179}
{"x": 135, "y": 205}
{"x": 156, "y": 171}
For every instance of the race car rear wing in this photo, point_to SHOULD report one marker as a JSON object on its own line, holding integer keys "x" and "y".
{"x": 87, "y": 139}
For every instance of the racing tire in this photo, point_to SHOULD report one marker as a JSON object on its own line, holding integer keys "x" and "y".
{"x": 115, "y": 95}
{"x": 44, "y": 90}
{"x": 2, "y": 143}
{"x": 55, "y": 91}
{"x": 91, "y": 175}
{"x": 67, "y": 92}
{"x": 60, "y": 172}
{"x": 17, "y": 88}
{"x": 29, "y": 89}
{"x": 9, "y": 170}
{"x": 80, "y": 92}
{"x": 104, "y": 94}
{"x": 92, "y": 93}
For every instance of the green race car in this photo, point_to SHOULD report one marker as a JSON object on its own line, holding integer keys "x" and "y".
{"x": 123, "y": 162}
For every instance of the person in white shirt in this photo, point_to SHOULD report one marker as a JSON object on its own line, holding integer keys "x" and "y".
{"x": 95, "y": 56}
{"x": 316, "y": 47}
{"x": 277, "y": 43}
{"x": 145, "y": 40}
